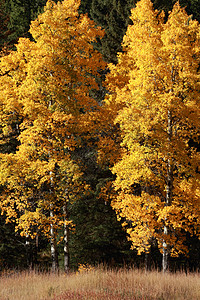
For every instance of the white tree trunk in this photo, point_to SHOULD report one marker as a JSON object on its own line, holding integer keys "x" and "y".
{"x": 165, "y": 253}
{"x": 66, "y": 239}
{"x": 54, "y": 253}
{"x": 169, "y": 188}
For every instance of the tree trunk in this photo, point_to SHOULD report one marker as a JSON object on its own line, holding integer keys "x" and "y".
{"x": 165, "y": 253}
{"x": 28, "y": 254}
{"x": 54, "y": 252}
{"x": 66, "y": 240}
{"x": 146, "y": 261}
{"x": 169, "y": 188}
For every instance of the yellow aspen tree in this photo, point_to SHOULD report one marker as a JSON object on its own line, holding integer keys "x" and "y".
{"x": 48, "y": 82}
{"x": 157, "y": 178}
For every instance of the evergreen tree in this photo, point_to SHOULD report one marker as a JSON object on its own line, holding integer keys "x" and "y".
{"x": 97, "y": 237}
{"x": 85, "y": 7}
{"x": 4, "y": 19}
{"x": 18, "y": 252}
{"x": 192, "y": 6}
{"x": 113, "y": 17}
{"x": 21, "y": 13}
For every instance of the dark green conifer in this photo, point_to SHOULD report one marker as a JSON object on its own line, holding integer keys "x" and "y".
{"x": 192, "y": 6}
{"x": 21, "y": 13}
{"x": 4, "y": 19}
{"x": 113, "y": 17}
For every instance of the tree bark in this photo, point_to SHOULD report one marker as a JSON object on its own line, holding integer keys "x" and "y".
{"x": 169, "y": 188}
{"x": 54, "y": 252}
{"x": 165, "y": 252}
{"x": 66, "y": 240}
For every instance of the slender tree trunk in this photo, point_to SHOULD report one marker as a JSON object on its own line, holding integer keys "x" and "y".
{"x": 165, "y": 253}
{"x": 28, "y": 255}
{"x": 66, "y": 239}
{"x": 54, "y": 252}
{"x": 169, "y": 188}
{"x": 36, "y": 251}
{"x": 146, "y": 261}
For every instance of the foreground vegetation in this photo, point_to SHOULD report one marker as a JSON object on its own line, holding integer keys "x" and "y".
{"x": 78, "y": 134}
{"x": 100, "y": 284}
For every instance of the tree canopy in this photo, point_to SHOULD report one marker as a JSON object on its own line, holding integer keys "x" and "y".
{"x": 66, "y": 155}
{"x": 47, "y": 83}
{"x": 156, "y": 82}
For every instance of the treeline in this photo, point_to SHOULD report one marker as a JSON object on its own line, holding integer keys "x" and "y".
{"x": 99, "y": 129}
{"x": 112, "y": 16}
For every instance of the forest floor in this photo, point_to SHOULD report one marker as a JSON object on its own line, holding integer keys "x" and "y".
{"x": 100, "y": 284}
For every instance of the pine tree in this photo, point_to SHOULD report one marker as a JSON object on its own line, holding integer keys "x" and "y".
{"x": 192, "y": 6}
{"x": 156, "y": 83}
{"x": 21, "y": 13}
{"x": 4, "y": 19}
{"x": 113, "y": 17}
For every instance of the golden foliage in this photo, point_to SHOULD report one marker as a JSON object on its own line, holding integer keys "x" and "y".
{"x": 45, "y": 87}
{"x": 155, "y": 88}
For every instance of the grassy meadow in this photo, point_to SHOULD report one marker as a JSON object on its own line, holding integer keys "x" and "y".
{"x": 100, "y": 284}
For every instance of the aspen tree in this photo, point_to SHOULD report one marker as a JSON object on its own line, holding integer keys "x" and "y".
{"x": 48, "y": 83}
{"x": 157, "y": 178}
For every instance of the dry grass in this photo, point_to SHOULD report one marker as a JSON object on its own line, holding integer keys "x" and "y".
{"x": 100, "y": 284}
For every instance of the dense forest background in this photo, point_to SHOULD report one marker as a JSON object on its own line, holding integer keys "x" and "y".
{"x": 97, "y": 236}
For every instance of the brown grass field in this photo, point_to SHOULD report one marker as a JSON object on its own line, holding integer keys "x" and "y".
{"x": 100, "y": 284}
